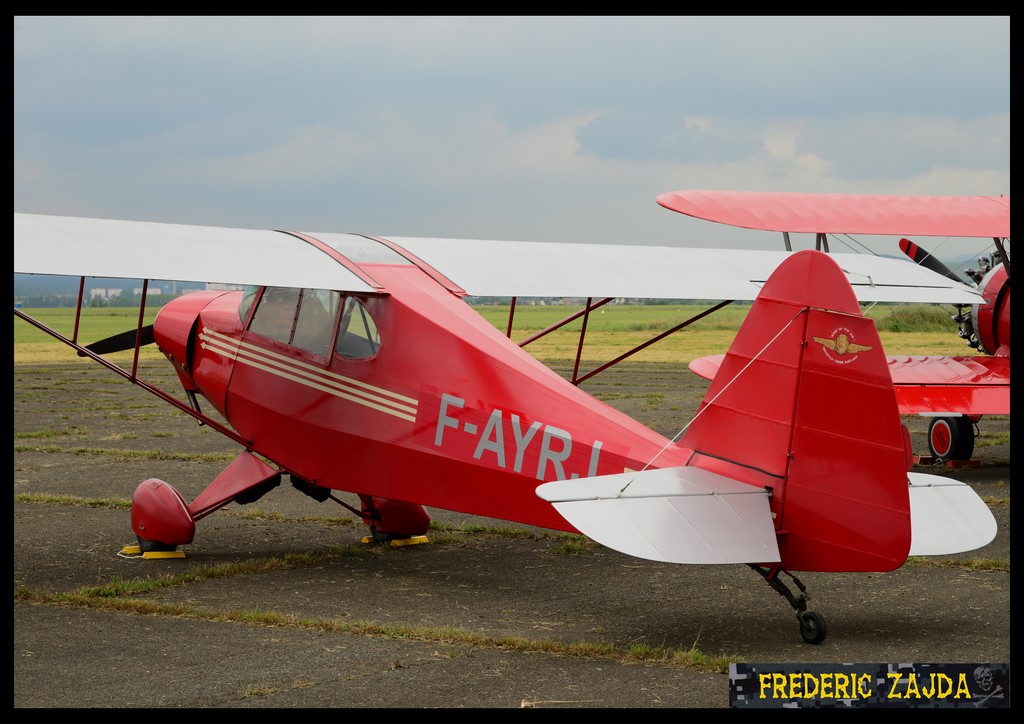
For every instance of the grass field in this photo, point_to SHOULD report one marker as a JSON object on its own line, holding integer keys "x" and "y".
{"x": 611, "y": 331}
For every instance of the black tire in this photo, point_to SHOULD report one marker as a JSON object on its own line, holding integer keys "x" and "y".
{"x": 951, "y": 438}
{"x": 154, "y": 546}
{"x": 812, "y": 627}
{"x": 383, "y": 538}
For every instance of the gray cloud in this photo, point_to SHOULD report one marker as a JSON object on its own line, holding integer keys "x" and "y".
{"x": 508, "y": 127}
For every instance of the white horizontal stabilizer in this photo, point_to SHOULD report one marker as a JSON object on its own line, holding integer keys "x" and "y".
{"x": 675, "y": 515}
{"x": 947, "y": 517}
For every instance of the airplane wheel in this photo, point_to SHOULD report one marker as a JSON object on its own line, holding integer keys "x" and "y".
{"x": 385, "y": 538}
{"x": 951, "y": 438}
{"x": 812, "y": 627}
{"x": 151, "y": 546}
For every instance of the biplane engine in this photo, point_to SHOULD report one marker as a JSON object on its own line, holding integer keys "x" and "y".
{"x": 984, "y": 326}
{"x": 988, "y": 327}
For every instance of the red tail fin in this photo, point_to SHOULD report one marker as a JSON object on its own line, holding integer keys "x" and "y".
{"x": 804, "y": 404}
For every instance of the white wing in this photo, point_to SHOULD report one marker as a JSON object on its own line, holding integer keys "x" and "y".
{"x": 546, "y": 269}
{"x": 144, "y": 250}
{"x": 675, "y": 515}
{"x": 70, "y": 246}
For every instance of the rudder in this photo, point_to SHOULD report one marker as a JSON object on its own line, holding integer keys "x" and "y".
{"x": 810, "y": 412}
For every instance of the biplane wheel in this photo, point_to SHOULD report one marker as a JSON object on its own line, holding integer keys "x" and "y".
{"x": 951, "y": 438}
{"x": 812, "y": 627}
{"x": 154, "y": 546}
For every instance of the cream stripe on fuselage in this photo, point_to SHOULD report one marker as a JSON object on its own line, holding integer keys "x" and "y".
{"x": 309, "y": 375}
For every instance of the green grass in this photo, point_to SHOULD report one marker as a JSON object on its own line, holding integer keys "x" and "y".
{"x": 614, "y": 330}
{"x": 611, "y": 331}
{"x": 33, "y": 346}
{"x": 99, "y": 322}
{"x": 127, "y": 596}
{"x": 658, "y": 317}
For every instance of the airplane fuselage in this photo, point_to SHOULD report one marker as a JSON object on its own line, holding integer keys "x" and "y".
{"x": 446, "y": 412}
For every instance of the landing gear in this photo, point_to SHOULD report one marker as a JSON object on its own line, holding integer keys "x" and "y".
{"x": 394, "y": 522}
{"x": 951, "y": 438}
{"x": 147, "y": 548}
{"x": 391, "y": 522}
{"x": 812, "y": 624}
{"x": 154, "y": 546}
{"x": 383, "y": 538}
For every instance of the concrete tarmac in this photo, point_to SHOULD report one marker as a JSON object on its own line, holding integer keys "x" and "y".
{"x": 288, "y": 609}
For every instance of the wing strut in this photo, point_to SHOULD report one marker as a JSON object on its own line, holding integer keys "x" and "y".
{"x": 583, "y": 334}
{"x": 562, "y": 323}
{"x": 648, "y": 343}
{"x": 130, "y": 375}
{"x": 1003, "y": 256}
{"x": 578, "y": 379}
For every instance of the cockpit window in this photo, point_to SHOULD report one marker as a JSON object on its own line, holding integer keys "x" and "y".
{"x": 303, "y": 318}
{"x": 315, "y": 323}
{"x": 362, "y": 249}
{"x": 248, "y": 297}
{"x": 275, "y": 315}
{"x": 358, "y": 337}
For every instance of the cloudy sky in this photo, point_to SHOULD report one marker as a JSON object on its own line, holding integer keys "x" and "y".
{"x": 532, "y": 128}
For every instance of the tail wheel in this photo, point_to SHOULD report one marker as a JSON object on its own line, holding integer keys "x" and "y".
{"x": 812, "y": 624}
{"x": 951, "y": 438}
{"x": 812, "y": 627}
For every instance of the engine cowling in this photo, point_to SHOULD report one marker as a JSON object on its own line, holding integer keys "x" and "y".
{"x": 991, "y": 321}
{"x": 174, "y": 328}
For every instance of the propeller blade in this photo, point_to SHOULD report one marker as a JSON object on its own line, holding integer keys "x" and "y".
{"x": 121, "y": 342}
{"x": 927, "y": 260}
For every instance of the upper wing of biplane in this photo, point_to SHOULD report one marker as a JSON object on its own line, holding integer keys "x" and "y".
{"x": 84, "y": 247}
{"x": 873, "y": 214}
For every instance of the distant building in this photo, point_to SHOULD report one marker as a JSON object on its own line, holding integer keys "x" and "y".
{"x": 104, "y": 293}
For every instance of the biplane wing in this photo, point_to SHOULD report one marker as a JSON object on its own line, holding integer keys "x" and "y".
{"x": 931, "y": 384}
{"x": 145, "y": 250}
{"x": 871, "y": 214}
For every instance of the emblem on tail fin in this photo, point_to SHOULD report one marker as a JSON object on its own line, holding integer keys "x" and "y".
{"x": 842, "y": 343}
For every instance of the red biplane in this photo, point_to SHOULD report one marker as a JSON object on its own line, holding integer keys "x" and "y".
{"x": 353, "y": 363}
{"x": 954, "y": 391}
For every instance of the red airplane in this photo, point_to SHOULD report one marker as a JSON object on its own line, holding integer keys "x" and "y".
{"x": 352, "y": 363}
{"x": 954, "y": 391}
